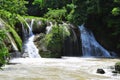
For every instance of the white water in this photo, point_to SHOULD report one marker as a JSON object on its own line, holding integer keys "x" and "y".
{"x": 30, "y": 50}
{"x": 67, "y": 68}
{"x": 90, "y": 47}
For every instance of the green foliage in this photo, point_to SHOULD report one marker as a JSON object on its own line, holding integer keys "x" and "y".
{"x": 56, "y": 14}
{"x": 54, "y": 4}
{"x": 8, "y": 17}
{"x": 117, "y": 1}
{"x": 44, "y": 5}
{"x": 54, "y": 40}
{"x": 116, "y": 11}
{"x": 39, "y": 2}
{"x": 13, "y": 6}
{"x": 3, "y": 49}
{"x": 16, "y": 37}
{"x": 70, "y": 10}
{"x": 10, "y": 8}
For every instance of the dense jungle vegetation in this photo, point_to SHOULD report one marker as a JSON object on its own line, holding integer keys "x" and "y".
{"x": 101, "y": 16}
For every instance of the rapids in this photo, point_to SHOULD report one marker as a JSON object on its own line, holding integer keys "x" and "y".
{"x": 67, "y": 68}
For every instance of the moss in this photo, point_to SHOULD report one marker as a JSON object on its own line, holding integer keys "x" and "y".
{"x": 54, "y": 40}
{"x": 36, "y": 18}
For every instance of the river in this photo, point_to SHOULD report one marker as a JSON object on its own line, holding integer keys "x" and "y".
{"x": 67, "y": 68}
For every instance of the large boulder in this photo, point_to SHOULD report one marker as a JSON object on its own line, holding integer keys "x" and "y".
{"x": 117, "y": 67}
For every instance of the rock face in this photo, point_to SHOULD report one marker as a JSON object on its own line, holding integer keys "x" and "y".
{"x": 100, "y": 71}
{"x": 15, "y": 54}
{"x": 72, "y": 44}
{"x": 39, "y": 42}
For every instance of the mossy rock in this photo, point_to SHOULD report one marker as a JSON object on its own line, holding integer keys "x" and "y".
{"x": 117, "y": 67}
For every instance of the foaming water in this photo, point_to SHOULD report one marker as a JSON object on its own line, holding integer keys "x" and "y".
{"x": 66, "y": 68}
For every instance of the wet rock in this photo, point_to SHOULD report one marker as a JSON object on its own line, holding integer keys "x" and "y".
{"x": 38, "y": 37}
{"x": 15, "y": 54}
{"x": 117, "y": 67}
{"x": 39, "y": 42}
{"x": 100, "y": 71}
{"x": 114, "y": 71}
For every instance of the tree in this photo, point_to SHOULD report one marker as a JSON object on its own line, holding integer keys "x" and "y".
{"x": 13, "y": 6}
{"x": 10, "y": 8}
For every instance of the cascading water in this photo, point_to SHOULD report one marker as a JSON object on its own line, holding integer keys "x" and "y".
{"x": 30, "y": 50}
{"x": 49, "y": 28}
{"x": 90, "y": 47}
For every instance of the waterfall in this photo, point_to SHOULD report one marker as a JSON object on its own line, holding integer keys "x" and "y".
{"x": 90, "y": 47}
{"x": 49, "y": 28}
{"x": 29, "y": 48}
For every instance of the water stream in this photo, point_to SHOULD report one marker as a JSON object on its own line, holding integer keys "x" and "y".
{"x": 29, "y": 48}
{"x": 67, "y": 68}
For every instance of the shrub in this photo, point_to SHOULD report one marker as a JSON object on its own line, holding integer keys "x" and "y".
{"x": 3, "y": 49}
{"x": 57, "y": 14}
